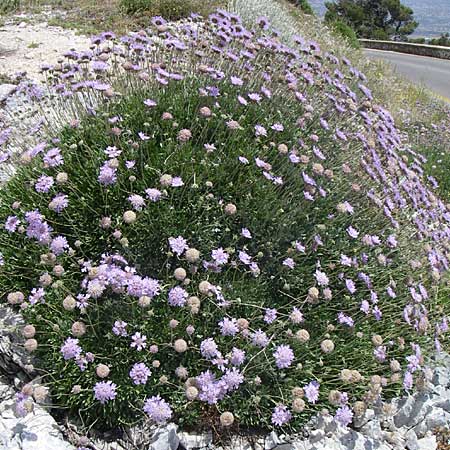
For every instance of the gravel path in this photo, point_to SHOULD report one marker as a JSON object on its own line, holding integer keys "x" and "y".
{"x": 25, "y": 47}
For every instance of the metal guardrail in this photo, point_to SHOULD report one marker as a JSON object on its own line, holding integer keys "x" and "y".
{"x": 435, "y": 51}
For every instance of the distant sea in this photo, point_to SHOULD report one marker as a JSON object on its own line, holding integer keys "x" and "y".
{"x": 433, "y": 15}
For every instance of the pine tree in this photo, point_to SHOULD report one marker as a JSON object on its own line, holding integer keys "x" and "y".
{"x": 374, "y": 19}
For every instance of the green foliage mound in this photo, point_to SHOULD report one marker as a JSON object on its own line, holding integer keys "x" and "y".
{"x": 223, "y": 231}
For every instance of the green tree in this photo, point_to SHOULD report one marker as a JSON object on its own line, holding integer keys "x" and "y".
{"x": 373, "y": 19}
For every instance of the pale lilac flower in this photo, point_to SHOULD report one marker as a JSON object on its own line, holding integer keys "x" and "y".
{"x": 228, "y": 327}
{"x": 153, "y": 194}
{"x": 408, "y": 381}
{"x": 53, "y": 158}
{"x": 270, "y": 315}
{"x": 236, "y": 81}
{"x": 150, "y": 103}
{"x": 289, "y": 262}
{"x": 143, "y": 136}
{"x": 120, "y": 328}
{"x": 177, "y": 182}
{"x": 220, "y": 256}
{"x": 59, "y": 202}
{"x": 105, "y": 391}
{"x": 281, "y": 415}
{"x": 58, "y": 245}
{"x": 44, "y": 184}
{"x": 232, "y": 379}
{"x": 70, "y": 349}
{"x": 260, "y": 339}
{"x": 37, "y": 295}
{"x": 139, "y": 373}
{"x": 277, "y": 127}
{"x": 260, "y": 131}
{"x": 178, "y": 245}
{"x": 177, "y": 296}
{"x": 283, "y": 356}
{"x": 352, "y": 232}
{"x": 345, "y": 320}
{"x": 380, "y": 353}
{"x": 11, "y": 224}
{"x": 237, "y": 356}
{"x": 112, "y": 151}
{"x": 344, "y": 416}
{"x": 158, "y": 410}
{"x": 296, "y": 316}
{"x": 246, "y": 233}
{"x": 137, "y": 201}
{"x": 138, "y": 341}
{"x": 350, "y": 285}
{"x": 312, "y": 391}
{"x": 208, "y": 348}
{"x": 321, "y": 278}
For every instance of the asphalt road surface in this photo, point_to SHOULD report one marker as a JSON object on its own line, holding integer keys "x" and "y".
{"x": 434, "y": 73}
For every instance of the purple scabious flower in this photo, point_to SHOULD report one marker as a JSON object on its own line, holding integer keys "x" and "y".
{"x": 177, "y": 296}
{"x": 270, "y": 315}
{"x": 11, "y": 224}
{"x": 137, "y": 201}
{"x": 260, "y": 339}
{"x": 289, "y": 262}
{"x": 150, "y": 103}
{"x": 139, "y": 373}
{"x": 260, "y": 131}
{"x": 408, "y": 381}
{"x": 153, "y": 194}
{"x": 237, "y": 356}
{"x": 281, "y": 415}
{"x": 112, "y": 151}
{"x": 352, "y": 232}
{"x": 58, "y": 245}
{"x": 70, "y": 349}
{"x": 59, "y": 202}
{"x": 208, "y": 348}
{"x": 344, "y": 416}
{"x": 108, "y": 175}
{"x": 380, "y": 353}
{"x": 220, "y": 256}
{"x": 138, "y": 341}
{"x": 53, "y": 158}
{"x": 158, "y": 409}
{"x": 105, "y": 391}
{"x": 44, "y": 184}
{"x": 321, "y": 278}
{"x": 178, "y": 245}
{"x": 37, "y": 295}
{"x": 350, "y": 285}
{"x": 246, "y": 233}
{"x": 343, "y": 319}
{"x": 232, "y": 379}
{"x": 312, "y": 391}
{"x": 283, "y": 356}
{"x": 120, "y": 328}
{"x": 228, "y": 327}
{"x": 296, "y": 316}
{"x": 177, "y": 182}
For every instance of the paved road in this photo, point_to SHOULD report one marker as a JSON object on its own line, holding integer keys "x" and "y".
{"x": 434, "y": 73}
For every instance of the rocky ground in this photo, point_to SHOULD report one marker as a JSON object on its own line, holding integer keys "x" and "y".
{"x": 27, "y": 42}
{"x": 407, "y": 423}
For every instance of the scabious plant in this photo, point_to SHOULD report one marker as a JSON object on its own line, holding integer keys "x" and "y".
{"x": 220, "y": 223}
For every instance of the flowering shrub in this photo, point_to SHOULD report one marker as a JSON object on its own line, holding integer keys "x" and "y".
{"x": 223, "y": 229}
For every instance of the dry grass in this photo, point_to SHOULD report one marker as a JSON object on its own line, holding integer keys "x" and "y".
{"x": 93, "y": 16}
